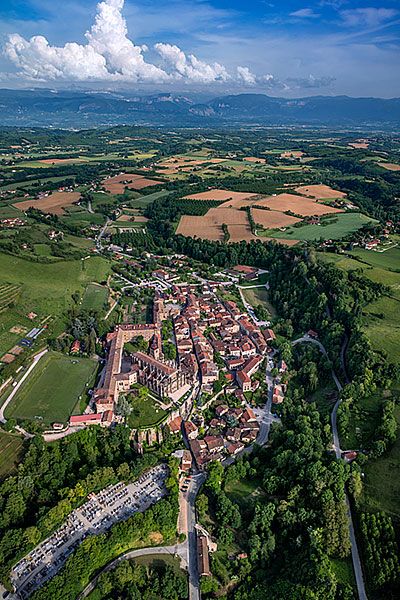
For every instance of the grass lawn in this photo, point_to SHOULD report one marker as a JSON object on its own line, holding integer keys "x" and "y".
{"x": 343, "y": 570}
{"x": 339, "y": 226}
{"x": 256, "y": 296}
{"x": 10, "y": 318}
{"x": 382, "y": 326}
{"x": 243, "y": 490}
{"x": 144, "y": 201}
{"x": 364, "y": 417}
{"x": 146, "y": 412}
{"x": 42, "y": 249}
{"x": 389, "y": 259}
{"x": 52, "y": 390}
{"x": 10, "y": 452}
{"x": 382, "y": 480}
{"x": 95, "y": 297}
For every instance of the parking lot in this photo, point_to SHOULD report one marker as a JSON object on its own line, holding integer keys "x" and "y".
{"x": 101, "y": 511}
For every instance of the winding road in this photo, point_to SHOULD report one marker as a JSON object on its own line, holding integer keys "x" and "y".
{"x": 336, "y": 446}
{"x": 177, "y": 550}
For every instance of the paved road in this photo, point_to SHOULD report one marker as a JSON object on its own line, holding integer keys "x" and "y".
{"x": 102, "y": 232}
{"x": 194, "y": 580}
{"x": 336, "y": 445}
{"x": 177, "y": 550}
{"x": 20, "y": 382}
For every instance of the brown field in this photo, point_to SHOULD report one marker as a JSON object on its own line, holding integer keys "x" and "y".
{"x": 239, "y": 233}
{"x": 254, "y": 159}
{"x": 240, "y": 203}
{"x": 390, "y": 166}
{"x": 53, "y": 204}
{"x": 359, "y": 145}
{"x": 297, "y": 204}
{"x": 321, "y": 192}
{"x": 133, "y": 181}
{"x": 7, "y": 359}
{"x": 140, "y": 184}
{"x": 229, "y": 216}
{"x": 222, "y": 195}
{"x": 294, "y": 154}
{"x": 272, "y": 219}
{"x": 280, "y": 241}
{"x": 201, "y": 227}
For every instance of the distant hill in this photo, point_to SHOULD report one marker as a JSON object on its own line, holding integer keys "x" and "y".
{"x": 80, "y": 109}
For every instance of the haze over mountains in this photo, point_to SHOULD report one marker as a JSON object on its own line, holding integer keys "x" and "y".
{"x": 81, "y": 108}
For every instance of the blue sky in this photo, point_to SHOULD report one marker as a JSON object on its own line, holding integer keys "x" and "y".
{"x": 283, "y": 48}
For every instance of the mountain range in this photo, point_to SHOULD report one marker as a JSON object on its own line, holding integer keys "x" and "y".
{"x": 61, "y": 108}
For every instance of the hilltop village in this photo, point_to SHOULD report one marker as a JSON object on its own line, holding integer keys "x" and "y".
{"x": 221, "y": 354}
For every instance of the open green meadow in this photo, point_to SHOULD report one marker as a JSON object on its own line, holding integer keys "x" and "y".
{"x": 95, "y": 297}
{"x": 337, "y": 227}
{"x": 53, "y": 389}
{"x": 382, "y": 326}
{"x": 10, "y": 452}
{"x": 381, "y": 318}
{"x": 388, "y": 259}
{"x": 45, "y": 289}
{"x": 381, "y": 489}
{"x": 256, "y": 296}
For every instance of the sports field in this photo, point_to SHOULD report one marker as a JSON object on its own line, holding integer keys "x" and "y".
{"x": 95, "y": 297}
{"x": 10, "y": 452}
{"x": 52, "y": 390}
{"x": 337, "y": 227}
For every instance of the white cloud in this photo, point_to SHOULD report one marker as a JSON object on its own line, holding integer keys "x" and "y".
{"x": 370, "y": 17}
{"x": 190, "y": 67}
{"x": 304, "y": 13}
{"x": 246, "y": 76}
{"x": 108, "y": 55}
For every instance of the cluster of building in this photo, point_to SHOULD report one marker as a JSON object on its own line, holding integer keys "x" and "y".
{"x": 215, "y": 341}
{"x": 227, "y": 434}
{"x": 12, "y": 223}
{"x": 114, "y": 503}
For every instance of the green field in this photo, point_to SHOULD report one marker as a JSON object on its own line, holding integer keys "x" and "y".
{"x": 381, "y": 318}
{"x": 144, "y": 201}
{"x": 379, "y": 275}
{"x": 382, "y": 326}
{"x": 337, "y": 227}
{"x": 47, "y": 288}
{"x": 52, "y": 390}
{"x": 256, "y": 296}
{"x": 382, "y": 480}
{"x": 10, "y": 452}
{"x": 343, "y": 570}
{"x": 146, "y": 412}
{"x": 241, "y": 491}
{"x": 95, "y": 297}
{"x": 389, "y": 259}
